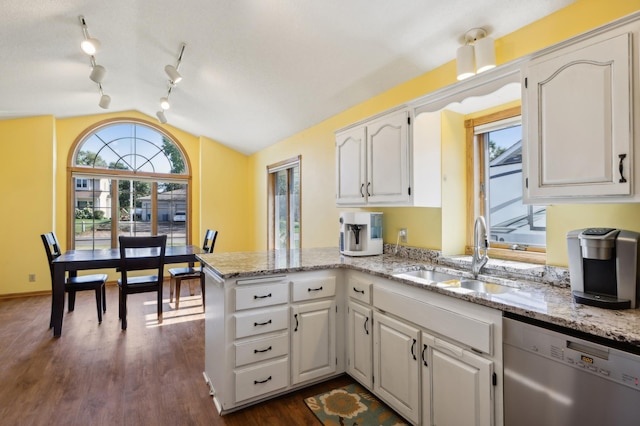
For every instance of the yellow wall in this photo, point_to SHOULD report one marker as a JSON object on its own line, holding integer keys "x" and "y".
{"x": 38, "y": 149}
{"x": 28, "y": 146}
{"x": 429, "y": 227}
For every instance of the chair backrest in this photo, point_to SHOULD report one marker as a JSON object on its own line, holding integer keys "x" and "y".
{"x": 142, "y": 253}
{"x": 209, "y": 240}
{"x": 52, "y": 247}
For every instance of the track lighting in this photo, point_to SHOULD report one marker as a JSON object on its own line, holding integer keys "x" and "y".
{"x": 90, "y": 46}
{"x": 161, "y": 117}
{"x": 164, "y": 103}
{"x": 173, "y": 74}
{"x": 477, "y": 55}
{"x": 174, "y": 78}
{"x": 97, "y": 73}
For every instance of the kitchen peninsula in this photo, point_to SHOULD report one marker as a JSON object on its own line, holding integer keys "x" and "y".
{"x": 279, "y": 320}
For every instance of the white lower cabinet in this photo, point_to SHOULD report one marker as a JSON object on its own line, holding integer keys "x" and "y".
{"x": 456, "y": 385}
{"x": 395, "y": 364}
{"x": 313, "y": 340}
{"x": 360, "y": 343}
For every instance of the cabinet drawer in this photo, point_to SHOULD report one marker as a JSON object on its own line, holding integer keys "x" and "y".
{"x": 265, "y": 378}
{"x": 257, "y": 296}
{"x": 261, "y": 349}
{"x": 261, "y": 321}
{"x": 314, "y": 288}
{"x": 359, "y": 290}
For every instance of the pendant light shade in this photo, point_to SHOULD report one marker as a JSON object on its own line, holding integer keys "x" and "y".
{"x": 97, "y": 73}
{"x": 173, "y": 74}
{"x": 105, "y": 100}
{"x": 465, "y": 62}
{"x": 485, "y": 54}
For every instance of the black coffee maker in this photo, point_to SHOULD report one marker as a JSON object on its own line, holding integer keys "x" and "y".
{"x": 604, "y": 267}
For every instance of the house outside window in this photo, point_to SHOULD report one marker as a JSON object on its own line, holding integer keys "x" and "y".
{"x": 130, "y": 178}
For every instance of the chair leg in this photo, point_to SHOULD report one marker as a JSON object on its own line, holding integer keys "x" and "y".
{"x": 202, "y": 290}
{"x": 160, "y": 304}
{"x": 99, "y": 304}
{"x": 172, "y": 284}
{"x": 123, "y": 308}
{"x": 191, "y": 291}
{"x": 178, "y": 284}
{"x": 104, "y": 298}
{"x": 72, "y": 300}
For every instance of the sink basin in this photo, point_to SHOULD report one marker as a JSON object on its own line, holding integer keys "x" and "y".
{"x": 480, "y": 286}
{"x": 427, "y": 275}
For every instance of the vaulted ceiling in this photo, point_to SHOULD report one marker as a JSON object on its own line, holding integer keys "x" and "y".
{"x": 255, "y": 71}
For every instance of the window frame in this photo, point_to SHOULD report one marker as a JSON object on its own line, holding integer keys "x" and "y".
{"x": 115, "y": 175}
{"x": 475, "y": 197}
{"x": 288, "y": 165}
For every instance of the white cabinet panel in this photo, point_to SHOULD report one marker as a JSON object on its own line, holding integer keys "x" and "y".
{"x": 261, "y": 349}
{"x": 351, "y": 171}
{"x": 395, "y": 365}
{"x": 313, "y": 340}
{"x": 261, "y": 321}
{"x": 260, "y": 379}
{"x": 579, "y": 133}
{"x": 360, "y": 343}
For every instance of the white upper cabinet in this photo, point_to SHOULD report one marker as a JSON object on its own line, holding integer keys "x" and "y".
{"x": 351, "y": 167}
{"x": 372, "y": 162}
{"x": 578, "y": 122}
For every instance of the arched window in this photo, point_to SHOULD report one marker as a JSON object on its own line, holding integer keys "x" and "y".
{"x": 127, "y": 177}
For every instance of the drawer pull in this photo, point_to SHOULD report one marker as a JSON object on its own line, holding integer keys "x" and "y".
{"x": 257, "y": 382}
{"x": 621, "y": 168}
{"x": 261, "y": 297}
{"x": 255, "y": 324}
{"x": 423, "y": 354}
{"x": 255, "y": 351}
{"x": 358, "y": 291}
{"x": 365, "y": 325}
{"x": 412, "y": 347}
{"x": 296, "y": 317}
{"x": 314, "y": 289}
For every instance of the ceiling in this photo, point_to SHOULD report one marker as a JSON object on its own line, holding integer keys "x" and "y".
{"x": 255, "y": 71}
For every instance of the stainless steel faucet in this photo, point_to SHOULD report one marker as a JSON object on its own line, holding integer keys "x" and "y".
{"x": 479, "y": 237}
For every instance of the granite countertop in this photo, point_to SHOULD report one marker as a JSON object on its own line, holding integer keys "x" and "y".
{"x": 542, "y": 301}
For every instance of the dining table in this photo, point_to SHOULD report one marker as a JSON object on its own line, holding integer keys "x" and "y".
{"x": 73, "y": 261}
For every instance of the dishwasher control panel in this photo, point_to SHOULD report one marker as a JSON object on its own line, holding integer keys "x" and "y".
{"x": 612, "y": 364}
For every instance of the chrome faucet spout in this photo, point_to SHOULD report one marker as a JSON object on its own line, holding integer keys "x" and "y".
{"x": 480, "y": 254}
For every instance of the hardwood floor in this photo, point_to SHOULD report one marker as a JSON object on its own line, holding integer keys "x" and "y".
{"x": 96, "y": 374}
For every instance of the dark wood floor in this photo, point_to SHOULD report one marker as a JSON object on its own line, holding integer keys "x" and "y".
{"x": 98, "y": 375}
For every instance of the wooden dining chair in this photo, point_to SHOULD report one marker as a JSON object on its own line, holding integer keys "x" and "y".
{"x": 73, "y": 284}
{"x": 191, "y": 272}
{"x": 141, "y": 254}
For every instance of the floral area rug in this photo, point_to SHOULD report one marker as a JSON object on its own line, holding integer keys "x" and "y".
{"x": 350, "y": 406}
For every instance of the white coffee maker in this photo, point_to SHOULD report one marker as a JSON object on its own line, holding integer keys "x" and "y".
{"x": 360, "y": 233}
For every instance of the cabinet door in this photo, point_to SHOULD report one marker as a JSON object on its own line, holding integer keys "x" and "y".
{"x": 360, "y": 343}
{"x": 395, "y": 365}
{"x": 577, "y": 122}
{"x": 313, "y": 340}
{"x": 461, "y": 392}
{"x": 351, "y": 166}
{"x": 388, "y": 159}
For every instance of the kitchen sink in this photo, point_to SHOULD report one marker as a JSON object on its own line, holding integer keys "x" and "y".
{"x": 427, "y": 275}
{"x": 477, "y": 286}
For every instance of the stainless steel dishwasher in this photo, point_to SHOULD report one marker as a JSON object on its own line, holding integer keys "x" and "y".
{"x": 552, "y": 378}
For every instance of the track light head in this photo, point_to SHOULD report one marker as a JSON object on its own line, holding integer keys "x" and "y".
{"x": 161, "y": 117}
{"x": 173, "y": 74}
{"x": 164, "y": 103}
{"x": 105, "y": 100}
{"x": 97, "y": 73}
{"x": 90, "y": 46}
